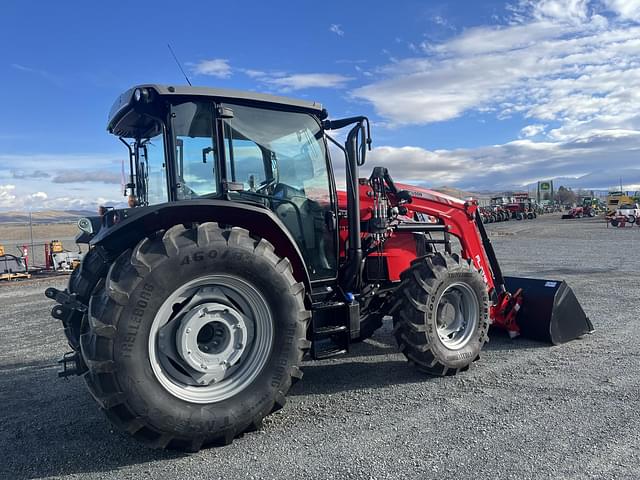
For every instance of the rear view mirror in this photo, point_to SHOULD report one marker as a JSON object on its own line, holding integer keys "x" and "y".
{"x": 361, "y": 146}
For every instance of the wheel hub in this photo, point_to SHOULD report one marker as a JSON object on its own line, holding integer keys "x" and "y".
{"x": 457, "y": 315}
{"x": 211, "y": 338}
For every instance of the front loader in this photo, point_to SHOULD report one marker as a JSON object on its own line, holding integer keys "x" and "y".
{"x": 191, "y": 313}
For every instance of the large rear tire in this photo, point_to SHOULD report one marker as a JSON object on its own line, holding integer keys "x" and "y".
{"x": 441, "y": 314}
{"x": 195, "y": 336}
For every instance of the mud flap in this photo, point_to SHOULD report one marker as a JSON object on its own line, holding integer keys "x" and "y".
{"x": 550, "y": 311}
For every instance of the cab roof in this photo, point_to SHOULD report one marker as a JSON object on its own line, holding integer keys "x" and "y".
{"x": 126, "y": 99}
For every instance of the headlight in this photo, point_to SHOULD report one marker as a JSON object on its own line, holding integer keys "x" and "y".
{"x": 141, "y": 94}
{"x": 85, "y": 225}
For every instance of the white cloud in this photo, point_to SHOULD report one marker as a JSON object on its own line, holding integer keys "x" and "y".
{"x": 594, "y": 162}
{"x": 39, "y": 196}
{"x": 216, "y": 67}
{"x": 70, "y": 184}
{"x": 301, "y": 81}
{"x": 562, "y": 62}
{"x": 532, "y": 130}
{"x": 626, "y": 9}
{"x": 337, "y": 29}
{"x": 533, "y": 69}
{"x": 253, "y": 73}
{"x": 7, "y": 195}
{"x": 566, "y": 10}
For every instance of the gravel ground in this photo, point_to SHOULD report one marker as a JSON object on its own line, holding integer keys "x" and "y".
{"x": 525, "y": 410}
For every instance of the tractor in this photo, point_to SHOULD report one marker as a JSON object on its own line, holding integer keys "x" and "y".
{"x": 191, "y": 313}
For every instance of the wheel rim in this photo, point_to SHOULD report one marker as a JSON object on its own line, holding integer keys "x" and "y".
{"x": 210, "y": 338}
{"x": 457, "y": 315}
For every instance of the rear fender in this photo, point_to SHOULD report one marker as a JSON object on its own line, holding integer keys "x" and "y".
{"x": 138, "y": 223}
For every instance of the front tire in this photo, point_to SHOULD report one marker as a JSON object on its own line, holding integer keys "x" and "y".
{"x": 195, "y": 336}
{"x": 441, "y": 314}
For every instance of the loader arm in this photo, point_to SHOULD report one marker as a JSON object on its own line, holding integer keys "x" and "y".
{"x": 462, "y": 221}
{"x": 460, "y": 218}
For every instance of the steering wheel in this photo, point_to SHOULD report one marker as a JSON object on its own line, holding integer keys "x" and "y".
{"x": 266, "y": 184}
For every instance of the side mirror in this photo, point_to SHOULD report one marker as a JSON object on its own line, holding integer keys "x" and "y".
{"x": 361, "y": 146}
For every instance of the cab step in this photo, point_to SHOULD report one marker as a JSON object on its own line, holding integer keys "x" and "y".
{"x": 331, "y": 328}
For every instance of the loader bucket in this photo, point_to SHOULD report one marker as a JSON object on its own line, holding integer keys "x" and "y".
{"x": 550, "y": 311}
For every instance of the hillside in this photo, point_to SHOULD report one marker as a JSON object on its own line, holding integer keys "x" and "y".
{"x": 44, "y": 216}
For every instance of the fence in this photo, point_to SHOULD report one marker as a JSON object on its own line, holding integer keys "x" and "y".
{"x": 16, "y": 235}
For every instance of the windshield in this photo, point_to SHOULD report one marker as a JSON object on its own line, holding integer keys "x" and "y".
{"x": 268, "y": 147}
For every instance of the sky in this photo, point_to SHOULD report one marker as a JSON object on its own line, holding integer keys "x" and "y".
{"x": 488, "y": 95}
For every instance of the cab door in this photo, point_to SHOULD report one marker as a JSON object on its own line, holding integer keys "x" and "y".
{"x": 280, "y": 159}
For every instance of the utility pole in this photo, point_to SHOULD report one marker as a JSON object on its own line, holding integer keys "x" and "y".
{"x": 31, "y": 233}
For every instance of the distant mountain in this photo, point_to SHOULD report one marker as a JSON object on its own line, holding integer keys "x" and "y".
{"x": 601, "y": 181}
{"x": 462, "y": 194}
{"x": 44, "y": 216}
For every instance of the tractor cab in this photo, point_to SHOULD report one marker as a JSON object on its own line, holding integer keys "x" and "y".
{"x": 199, "y": 143}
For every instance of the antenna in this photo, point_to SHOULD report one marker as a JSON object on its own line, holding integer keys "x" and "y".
{"x": 178, "y": 63}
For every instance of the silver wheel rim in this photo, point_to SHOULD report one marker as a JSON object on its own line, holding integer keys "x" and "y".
{"x": 210, "y": 338}
{"x": 457, "y": 315}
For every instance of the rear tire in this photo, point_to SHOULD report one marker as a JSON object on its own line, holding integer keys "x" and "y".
{"x": 223, "y": 281}
{"x": 441, "y": 314}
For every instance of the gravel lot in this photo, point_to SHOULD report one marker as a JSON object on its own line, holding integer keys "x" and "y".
{"x": 525, "y": 410}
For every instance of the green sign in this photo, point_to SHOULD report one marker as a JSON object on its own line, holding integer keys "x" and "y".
{"x": 545, "y": 186}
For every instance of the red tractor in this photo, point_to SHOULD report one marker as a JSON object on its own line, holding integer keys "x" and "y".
{"x": 521, "y": 207}
{"x": 499, "y": 208}
{"x": 191, "y": 313}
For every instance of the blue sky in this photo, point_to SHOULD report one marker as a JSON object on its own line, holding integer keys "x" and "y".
{"x": 478, "y": 95}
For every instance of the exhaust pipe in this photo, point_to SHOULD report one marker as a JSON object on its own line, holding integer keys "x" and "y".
{"x": 550, "y": 311}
